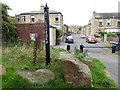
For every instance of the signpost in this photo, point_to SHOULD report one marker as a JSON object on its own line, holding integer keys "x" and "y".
{"x": 47, "y": 41}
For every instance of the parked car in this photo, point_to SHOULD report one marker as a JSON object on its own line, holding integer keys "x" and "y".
{"x": 91, "y": 39}
{"x": 83, "y": 36}
{"x": 69, "y": 39}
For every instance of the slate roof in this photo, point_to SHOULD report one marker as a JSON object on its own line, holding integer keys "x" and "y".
{"x": 107, "y": 15}
{"x": 41, "y": 12}
{"x": 73, "y": 26}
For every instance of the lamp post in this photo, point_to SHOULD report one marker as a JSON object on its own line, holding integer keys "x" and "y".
{"x": 47, "y": 41}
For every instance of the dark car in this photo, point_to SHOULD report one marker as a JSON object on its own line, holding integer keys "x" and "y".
{"x": 69, "y": 39}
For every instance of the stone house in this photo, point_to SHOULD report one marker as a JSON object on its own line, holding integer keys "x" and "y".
{"x": 86, "y": 30}
{"x": 55, "y": 17}
{"x": 73, "y": 28}
{"x": 65, "y": 29}
{"x": 34, "y": 17}
{"x": 108, "y": 22}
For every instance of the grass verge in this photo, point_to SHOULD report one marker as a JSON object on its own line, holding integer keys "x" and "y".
{"x": 99, "y": 75}
{"x": 21, "y": 57}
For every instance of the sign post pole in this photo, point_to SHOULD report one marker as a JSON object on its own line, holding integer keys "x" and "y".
{"x": 47, "y": 41}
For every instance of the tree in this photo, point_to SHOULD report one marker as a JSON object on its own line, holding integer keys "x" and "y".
{"x": 8, "y": 25}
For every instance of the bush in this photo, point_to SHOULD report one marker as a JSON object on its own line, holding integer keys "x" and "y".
{"x": 80, "y": 55}
{"x": 110, "y": 34}
{"x": 21, "y": 57}
{"x": 59, "y": 33}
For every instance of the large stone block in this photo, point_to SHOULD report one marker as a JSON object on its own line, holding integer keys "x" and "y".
{"x": 75, "y": 72}
{"x": 41, "y": 76}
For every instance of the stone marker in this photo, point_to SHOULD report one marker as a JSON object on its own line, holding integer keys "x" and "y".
{"x": 41, "y": 76}
{"x": 75, "y": 72}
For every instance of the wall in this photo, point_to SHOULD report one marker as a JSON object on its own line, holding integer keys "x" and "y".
{"x": 24, "y": 30}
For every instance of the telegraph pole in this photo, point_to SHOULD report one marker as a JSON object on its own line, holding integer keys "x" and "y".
{"x": 47, "y": 41}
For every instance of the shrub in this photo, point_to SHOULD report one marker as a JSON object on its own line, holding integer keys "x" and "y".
{"x": 59, "y": 33}
{"x": 80, "y": 55}
{"x": 110, "y": 34}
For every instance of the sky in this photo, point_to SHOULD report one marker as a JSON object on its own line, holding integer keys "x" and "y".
{"x": 75, "y": 12}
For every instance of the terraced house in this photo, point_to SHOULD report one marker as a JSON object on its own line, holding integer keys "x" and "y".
{"x": 55, "y": 17}
{"x": 108, "y": 22}
{"x": 34, "y": 18}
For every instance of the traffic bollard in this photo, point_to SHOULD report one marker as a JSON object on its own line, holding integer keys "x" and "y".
{"x": 81, "y": 48}
{"x": 113, "y": 48}
{"x": 68, "y": 47}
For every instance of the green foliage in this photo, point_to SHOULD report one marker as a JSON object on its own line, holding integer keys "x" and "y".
{"x": 80, "y": 55}
{"x": 118, "y": 52}
{"x": 99, "y": 76}
{"x": 102, "y": 34}
{"x": 110, "y": 34}
{"x": 21, "y": 57}
{"x": 59, "y": 33}
{"x": 8, "y": 26}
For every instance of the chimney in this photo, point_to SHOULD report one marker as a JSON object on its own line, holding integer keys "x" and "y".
{"x": 94, "y": 12}
{"x": 42, "y": 8}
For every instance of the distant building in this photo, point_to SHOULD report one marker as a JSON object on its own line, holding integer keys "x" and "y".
{"x": 55, "y": 17}
{"x": 65, "y": 28}
{"x": 73, "y": 28}
{"x": 107, "y": 22}
{"x": 86, "y": 30}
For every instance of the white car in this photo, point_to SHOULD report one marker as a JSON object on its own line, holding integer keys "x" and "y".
{"x": 83, "y": 36}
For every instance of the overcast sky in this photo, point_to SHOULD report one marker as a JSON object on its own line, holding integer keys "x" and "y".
{"x": 75, "y": 12}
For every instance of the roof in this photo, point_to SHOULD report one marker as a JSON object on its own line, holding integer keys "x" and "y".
{"x": 41, "y": 12}
{"x": 107, "y": 15}
{"x": 73, "y": 26}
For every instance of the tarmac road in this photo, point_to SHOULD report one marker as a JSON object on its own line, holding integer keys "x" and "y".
{"x": 110, "y": 60}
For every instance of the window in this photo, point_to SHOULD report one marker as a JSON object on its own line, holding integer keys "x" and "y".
{"x": 18, "y": 19}
{"x": 100, "y": 23}
{"x": 118, "y": 23}
{"x": 32, "y": 19}
{"x": 108, "y": 22}
{"x": 56, "y": 19}
{"x": 24, "y": 19}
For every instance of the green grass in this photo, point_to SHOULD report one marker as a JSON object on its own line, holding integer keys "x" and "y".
{"x": 118, "y": 53}
{"x": 100, "y": 78}
{"x": 99, "y": 75}
{"x": 20, "y": 57}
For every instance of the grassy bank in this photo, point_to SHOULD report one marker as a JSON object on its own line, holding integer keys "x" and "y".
{"x": 21, "y": 57}
{"x": 100, "y": 78}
